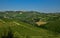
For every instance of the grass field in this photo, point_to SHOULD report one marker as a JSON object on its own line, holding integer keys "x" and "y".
{"x": 25, "y": 30}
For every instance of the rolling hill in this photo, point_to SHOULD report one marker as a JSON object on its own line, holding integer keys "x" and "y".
{"x": 22, "y": 24}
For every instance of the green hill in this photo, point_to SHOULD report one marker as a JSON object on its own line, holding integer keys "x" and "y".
{"x": 23, "y": 24}
{"x": 21, "y": 29}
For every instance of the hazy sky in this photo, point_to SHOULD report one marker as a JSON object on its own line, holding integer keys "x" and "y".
{"x": 34, "y": 5}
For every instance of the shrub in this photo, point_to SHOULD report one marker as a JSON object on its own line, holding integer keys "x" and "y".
{"x": 53, "y": 26}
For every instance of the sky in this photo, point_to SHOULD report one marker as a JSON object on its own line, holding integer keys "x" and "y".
{"x": 30, "y": 5}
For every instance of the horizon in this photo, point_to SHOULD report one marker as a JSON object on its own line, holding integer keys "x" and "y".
{"x": 45, "y": 6}
{"x": 29, "y": 11}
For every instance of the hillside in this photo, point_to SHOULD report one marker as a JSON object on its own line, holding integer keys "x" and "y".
{"x": 23, "y": 24}
{"x": 23, "y": 29}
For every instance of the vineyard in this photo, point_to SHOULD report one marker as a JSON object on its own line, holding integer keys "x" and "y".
{"x": 32, "y": 24}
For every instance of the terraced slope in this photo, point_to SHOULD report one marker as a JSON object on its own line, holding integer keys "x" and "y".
{"x": 21, "y": 29}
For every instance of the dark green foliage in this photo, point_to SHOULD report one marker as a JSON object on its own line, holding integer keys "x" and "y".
{"x": 53, "y": 26}
{"x": 7, "y": 33}
{"x": 27, "y": 36}
{"x": 36, "y": 19}
{"x": 10, "y": 33}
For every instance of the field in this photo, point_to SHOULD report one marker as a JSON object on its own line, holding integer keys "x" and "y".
{"x": 23, "y": 24}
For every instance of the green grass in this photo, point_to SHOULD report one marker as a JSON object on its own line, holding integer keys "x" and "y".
{"x": 26, "y": 30}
